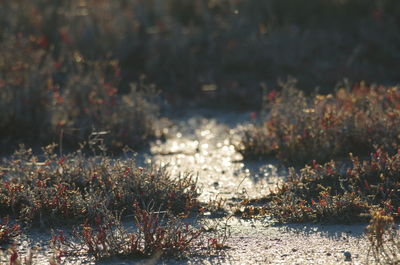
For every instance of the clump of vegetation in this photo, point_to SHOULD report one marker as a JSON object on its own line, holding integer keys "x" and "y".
{"x": 75, "y": 187}
{"x": 384, "y": 238}
{"x": 155, "y": 235}
{"x": 55, "y": 87}
{"x": 8, "y": 232}
{"x": 331, "y": 194}
{"x": 299, "y": 129}
{"x": 66, "y": 98}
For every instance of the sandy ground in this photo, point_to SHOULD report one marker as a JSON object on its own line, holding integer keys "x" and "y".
{"x": 296, "y": 244}
{"x": 201, "y": 144}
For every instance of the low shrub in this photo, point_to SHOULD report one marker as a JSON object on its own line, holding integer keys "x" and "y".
{"x": 65, "y": 99}
{"x": 76, "y": 187}
{"x": 298, "y": 129}
{"x": 329, "y": 193}
{"x": 155, "y": 235}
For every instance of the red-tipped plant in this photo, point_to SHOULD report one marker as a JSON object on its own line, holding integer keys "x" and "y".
{"x": 8, "y": 232}
{"x": 154, "y": 235}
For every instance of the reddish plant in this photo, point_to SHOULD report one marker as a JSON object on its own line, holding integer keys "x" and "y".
{"x": 75, "y": 187}
{"x": 155, "y": 235}
{"x": 8, "y": 232}
{"x": 335, "y": 194}
{"x": 299, "y": 129}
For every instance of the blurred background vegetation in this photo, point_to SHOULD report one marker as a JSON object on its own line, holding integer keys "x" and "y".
{"x": 70, "y": 67}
